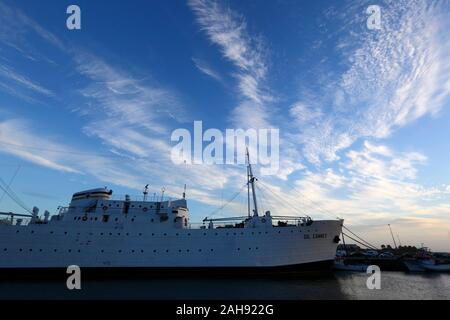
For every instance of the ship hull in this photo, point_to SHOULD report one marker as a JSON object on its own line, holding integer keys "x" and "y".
{"x": 134, "y": 249}
{"x": 297, "y": 270}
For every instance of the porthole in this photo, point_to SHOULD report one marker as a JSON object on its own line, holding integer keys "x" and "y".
{"x": 212, "y": 250}
{"x": 65, "y": 232}
{"x": 154, "y": 250}
{"x": 239, "y": 249}
{"x": 165, "y": 234}
{"x": 79, "y": 250}
{"x": 55, "y": 250}
{"x": 20, "y": 250}
{"x": 5, "y": 249}
{"x": 40, "y": 250}
{"x": 70, "y": 250}
{"x": 31, "y": 250}
{"x": 17, "y": 231}
{"x": 102, "y": 251}
{"x": 120, "y": 251}
{"x": 199, "y": 250}
{"x": 179, "y": 250}
{"x": 142, "y": 251}
{"x": 132, "y": 220}
{"x": 167, "y": 250}
{"x": 152, "y": 220}
{"x": 32, "y": 231}
{"x": 116, "y": 219}
{"x": 140, "y": 234}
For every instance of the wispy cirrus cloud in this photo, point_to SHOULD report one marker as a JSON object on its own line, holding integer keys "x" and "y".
{"x": 12, "y": 75}
{"x": 206, "y": 69}
{"x": 392, "y": 77}
{"x": 227, "y": 29}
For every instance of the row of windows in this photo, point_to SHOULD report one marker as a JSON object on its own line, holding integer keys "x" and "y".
{"x": 132, "y": 206}
{"x": 84, "y": 218}
{"x": 176, "y": 234}
{"x": 132, "y": 251}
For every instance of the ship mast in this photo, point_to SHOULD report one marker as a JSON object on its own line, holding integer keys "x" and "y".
{"x": 251, "y": 181}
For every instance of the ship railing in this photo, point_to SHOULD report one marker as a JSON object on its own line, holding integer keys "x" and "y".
{"x": 140, "y": 198}
{"x": 11, "y": 218}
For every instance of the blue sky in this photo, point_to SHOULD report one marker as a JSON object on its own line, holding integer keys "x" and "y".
{"x": 363, "y": 114}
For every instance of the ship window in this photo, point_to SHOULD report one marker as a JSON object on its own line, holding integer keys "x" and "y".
{"x": 154, "y": 250}
{"x": 110, "y": 233}
{"x": 118, "y": 234}
{"x": 74, "y": 218}
{"x": 132, "y": 220}
{"x": 101, "y": 233}
{"x": 116, "y": 219}
{"x": 31, "y": 250}
{"x": 179, "y": 250}
{"x": 199, "y": 250}
{"x": 212, "y": 250}
{"x": 142, "y": 251}
{"x": 140, "y": 206}
{"x": 120, "y": 251}
{"x": 55, "y": 250}
{"x": 140, "y": 234}
{"x": 65, "y": 232}
{"x": 17, "y": 231}
{"x": 79, "y": 250}
{"x": 32, "y": 231}
{"x": 51, "y": 232}
{"x": 70, "y": 250}
{"x": 20, "y": 250}
{"x": 132, "y": 205}
{"x": 132, "y": 251}
{"x": 187, "y": 250}
{"x": 102, "y": 251}
{"x": 40, "y": 250}
{"x": 165, "y": 234}
{"x": 256, "y": 248}
{"x": 127, "y": 234}
{"x": 239, "y": 249}
{"x": 153, "y": 234}
{"x": 189, "y": 234}
{"x": 5, "y": 249}
{"x": 95, "y": 218}
{"x": 152, "y": 220}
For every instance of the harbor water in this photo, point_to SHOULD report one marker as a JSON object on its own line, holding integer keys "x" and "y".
{"x": 340, "y": 285}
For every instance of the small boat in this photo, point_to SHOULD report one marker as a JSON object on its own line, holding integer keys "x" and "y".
{"x": 436, "y": 265}
{"x": 339, "y": 264}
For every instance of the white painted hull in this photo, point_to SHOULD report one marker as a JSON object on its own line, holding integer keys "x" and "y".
{"x": 58, "y": 245}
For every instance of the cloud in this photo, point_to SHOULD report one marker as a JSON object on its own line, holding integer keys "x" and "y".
{"x": 227, "y": 29}
{"x": 8, "y": 73}
{"x": 389, "y": 79}
{"x": 206, "y": 69}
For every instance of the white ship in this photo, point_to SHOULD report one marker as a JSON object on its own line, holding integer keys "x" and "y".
{"x": 99, "y": 233}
